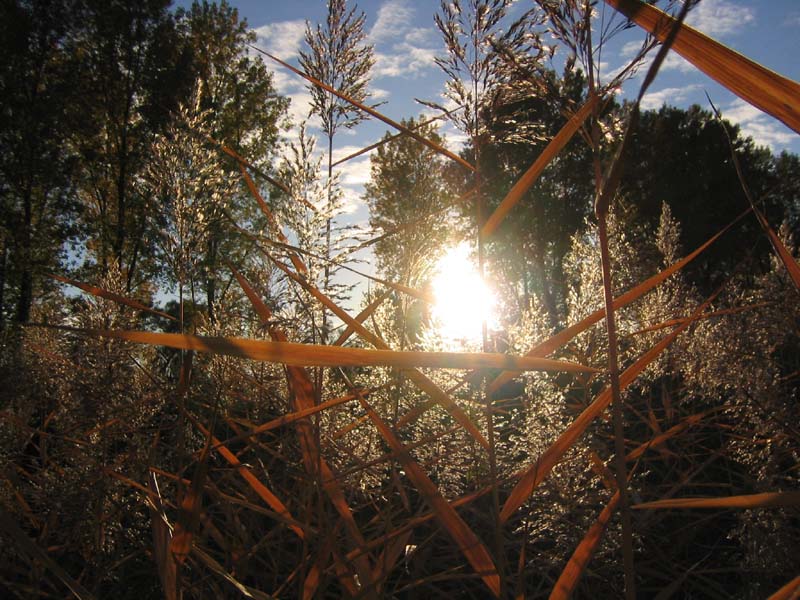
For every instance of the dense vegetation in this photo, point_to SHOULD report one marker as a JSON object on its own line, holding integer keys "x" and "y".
{"x": 146, "y": 156}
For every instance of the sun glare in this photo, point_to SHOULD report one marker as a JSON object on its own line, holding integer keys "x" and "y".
{"x": 462, "y": 300}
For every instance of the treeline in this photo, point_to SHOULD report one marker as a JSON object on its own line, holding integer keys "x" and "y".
{"x": 145, "y": 154}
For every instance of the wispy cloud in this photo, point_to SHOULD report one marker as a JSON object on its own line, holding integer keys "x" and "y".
{"x": 672, "y": 95}
{"x": 393, "y": 16}
{"x": 792, "y": 20}
{"x": 762, "y": 128}
{"x": 282, "y": 39}
{"x": 721, "y": 17}
{"x": 401, "y": 50}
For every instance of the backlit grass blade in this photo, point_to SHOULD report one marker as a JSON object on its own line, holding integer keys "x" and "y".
{"x": 370, "y": 111}
{"x": 540, "y": 469}
{"x": 391, "y": 138}
{"x": 570, "y": 576}
{"x": 167, "y": 570}
{"x": 765, "y": 500}
{"x": 717, "y": 313}
{"x": 791, "y": 591}
{"x": 361, "y": 317}
{"x": 418, "y": 378}
{"x": 786, "y": 257}
{"x": 257, "y": 486}
{"x": 525, "y": 182}
{"x": 101, "y": 293}
{"x": 315, "y": 355}
{"x": 472, "y": 548}
{"x": 558, "y": 340}
{"x": 761, "y": 87}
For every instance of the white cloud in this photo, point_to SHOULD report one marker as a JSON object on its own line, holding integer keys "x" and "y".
{"x": 671, "y": 96}
{"x": 401, "y": 50}
{"x": 405, "y": 60}
{"x": 393, "y": 17}
{"x": 792, "y": 20}
{"x": 354, "y": 172}
{"x": 761, "y": 127}
{"x": 720, "y": 17}
{"x": 282, "y": 38}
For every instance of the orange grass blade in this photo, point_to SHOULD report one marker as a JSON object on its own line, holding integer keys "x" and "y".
{"x": 571, "y": 575}
{"x": 791, "y": 591}
{"x": 391, "y": 138}
{"x": 717, "y": 313}
{"x": 259, "y": 488}
{"x": 419, "y": 379}
{"x": 472, "y": 548}
{"x": 361, "y": 317}
{"x": 315, "y": 355}
{"x": 101, "y": 293}
{"x": 540, "y": 469}
{"x": 167, "y": 570}
{"x": 772, "y": 93}
{"x": 786, "y": 257}
{"x": 555, "y": 342}
{"x": 765, "y": 500}
{"x": 532, "y": 174}
{"x": 371, "y": 111}
{"x": 669, "y": 433}
{"x": 243, "y": 162}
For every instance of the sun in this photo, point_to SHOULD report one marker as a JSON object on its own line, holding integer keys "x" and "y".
{"x": 462, "y": 300}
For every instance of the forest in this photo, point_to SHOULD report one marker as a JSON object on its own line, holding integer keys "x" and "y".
{"x": 561, "y": 361}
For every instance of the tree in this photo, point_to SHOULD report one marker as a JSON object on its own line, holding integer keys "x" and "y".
{"x": 37, "y": 93}
{"x": 244, "y": 112}
{"x": 407, "y": 187}
{"x": 338, "y": 56}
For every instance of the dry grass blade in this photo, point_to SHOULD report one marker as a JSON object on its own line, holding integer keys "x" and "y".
{"x": 786, "y": 257}
{"x": 391, "y": 138}
{"x": 765, "y": 500}
{"x": 212, "y": 564}
{"x": 570, "y": 576}
{"x": 189, "y": 515}
{"x": 162, "y": 536}
{"x": 371, "y": 111}
{"x": 761, "y": 87}
{"x": 292, "y": 417}
{"x": 472, "y": 548}
{"x": 791, "y": 591}
{"x": 717, "y": 313}
{"x": 389, "y": 557}
{"x": 259, "y": 488}
{"x": 361, "y": 317}
{"x": 558, "y": 340}
{"x": 668, "y": 434}
{"x": 539, "y": 470}
{"x": 243, "y": 162}
{"x": 314, "y": 355}
{"x": 303, "y": 399}
{"x": 101, "y": 293}
{"x": 24, "y": 543}
{"x": 419, "y": 379}
{"x": 532, "y": 174}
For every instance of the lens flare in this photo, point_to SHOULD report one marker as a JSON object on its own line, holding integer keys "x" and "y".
{"x": 462, "y": 300}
